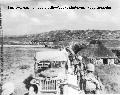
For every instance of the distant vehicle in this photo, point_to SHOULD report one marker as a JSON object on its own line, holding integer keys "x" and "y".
{"x": 50, "y": 72}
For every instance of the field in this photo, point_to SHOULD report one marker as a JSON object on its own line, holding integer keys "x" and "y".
{"x": 18, "y": 65}
{"x": 19, "y": 61}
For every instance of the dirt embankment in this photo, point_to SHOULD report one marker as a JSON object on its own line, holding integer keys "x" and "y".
{"x": 110, "y": 77}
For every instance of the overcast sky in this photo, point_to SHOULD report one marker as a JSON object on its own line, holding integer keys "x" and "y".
{"x": 30, "y": 21}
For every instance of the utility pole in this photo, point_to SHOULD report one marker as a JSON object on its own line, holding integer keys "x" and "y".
{"x": 1, "y": 52}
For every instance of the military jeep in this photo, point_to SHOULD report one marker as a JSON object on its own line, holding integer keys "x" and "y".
{"x": 49, "y": 72}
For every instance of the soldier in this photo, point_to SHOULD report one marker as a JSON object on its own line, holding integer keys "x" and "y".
{"x": 75, "y": 66}
{"x": 80, "y": 72}
{"x": 91, "y": 85}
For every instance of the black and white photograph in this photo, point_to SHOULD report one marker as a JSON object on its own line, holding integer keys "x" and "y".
{"x": 59, "y": 47}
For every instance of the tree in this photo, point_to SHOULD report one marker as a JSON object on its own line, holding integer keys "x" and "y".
{"x": 77, "y": 47}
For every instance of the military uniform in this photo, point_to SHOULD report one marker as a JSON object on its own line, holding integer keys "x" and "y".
{"x": 90, "y": 84}
{"x": 80, "y": 73}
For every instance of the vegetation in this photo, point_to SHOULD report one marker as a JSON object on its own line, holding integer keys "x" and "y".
{"x": 60, "y": 38}
{"x": 64, "y": 37}
{"x": 24, "y": 67}
{"x": 110, "y": 76}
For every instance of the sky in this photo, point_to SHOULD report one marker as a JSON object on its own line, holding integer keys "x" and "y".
{"x": 34, "y": 21}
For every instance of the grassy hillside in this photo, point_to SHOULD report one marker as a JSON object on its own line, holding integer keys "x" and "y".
{"x": 66, "y": 37}
{"x": 110, "y": 77}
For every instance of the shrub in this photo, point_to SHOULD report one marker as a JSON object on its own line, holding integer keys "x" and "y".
{"x": 24, "y": 67}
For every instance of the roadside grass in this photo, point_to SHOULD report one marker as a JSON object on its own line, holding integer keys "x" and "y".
{"x": 110, "y": 77}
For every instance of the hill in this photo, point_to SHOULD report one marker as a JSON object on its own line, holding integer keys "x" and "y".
{"x": 65, "y": 37}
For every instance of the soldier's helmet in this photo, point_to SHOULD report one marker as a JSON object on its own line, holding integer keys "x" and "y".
{"x": 90, "y": 67}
